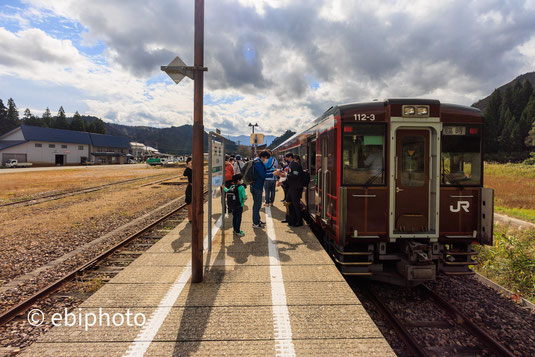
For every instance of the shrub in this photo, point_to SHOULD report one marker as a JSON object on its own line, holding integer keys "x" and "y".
{"x": 510, "y": 261}
{"x": 530, "y": 160}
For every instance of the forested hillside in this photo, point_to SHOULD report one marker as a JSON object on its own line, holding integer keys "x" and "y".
{"x": 10, "y": 119}
{"x": 509, "y": 122}
{"x": 279, "y": 140}
{"x": 173, "y": 140}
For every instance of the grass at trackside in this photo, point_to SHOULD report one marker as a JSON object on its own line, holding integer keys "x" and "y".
{"x": 510, "y": 170}
{"x": 510, "y": 261}
{"x": 525, "y": 214}
{"x": 514, "y": 189}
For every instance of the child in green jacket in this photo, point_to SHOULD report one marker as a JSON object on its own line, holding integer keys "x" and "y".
{"x": 237, "y": 207}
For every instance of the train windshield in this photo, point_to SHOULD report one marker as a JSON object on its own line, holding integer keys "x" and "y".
{"x": 461, "y": 156}
{"x": 363, "y": 155}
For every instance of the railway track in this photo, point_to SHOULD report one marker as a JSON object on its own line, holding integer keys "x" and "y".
{"x": 23, "y": 306}
{"x": 41, "y": 199}
{"x": 410, "y": 331}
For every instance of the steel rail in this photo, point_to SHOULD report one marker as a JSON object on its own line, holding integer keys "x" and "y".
{"x": 80, "y": 191}
{"x": 18, "y": 309}
{"x": 464, "y": 321}
{"x": 396, "y": 323}
{"x": 458, "y": 317}
{"x": 155, "y": 182}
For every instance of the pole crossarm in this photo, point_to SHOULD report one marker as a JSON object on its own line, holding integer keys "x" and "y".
{"x": 174, "y": 69}
{"x": 188, "y": 71}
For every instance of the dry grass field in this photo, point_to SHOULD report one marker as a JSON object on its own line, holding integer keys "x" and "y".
{"x": 514, "y": 189}
{"x": 34, "y": 235}
{"x": 23, "y": 185}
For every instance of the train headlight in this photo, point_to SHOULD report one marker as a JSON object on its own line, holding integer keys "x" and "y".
{"x": 422, "y": 111}
{"x": 408, "y": 111}
{"x": 416, "y": 111}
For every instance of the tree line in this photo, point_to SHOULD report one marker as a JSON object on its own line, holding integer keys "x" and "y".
{"x": 510, "y": 121}
{"x": 10, "y": 119}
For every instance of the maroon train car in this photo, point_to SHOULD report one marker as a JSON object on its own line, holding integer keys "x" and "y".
{"x": 397, "y": 187}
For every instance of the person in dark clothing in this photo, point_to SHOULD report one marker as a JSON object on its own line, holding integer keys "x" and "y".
{"x": 297, "y": 159}
{"x": 283, "y": 181}
{"x": 188, "y": 173}
{"x": 258, "y": 186}
{"x": 295, "y": 190}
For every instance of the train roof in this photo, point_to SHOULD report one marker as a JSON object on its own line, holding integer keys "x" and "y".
{"x": 445, "y": 108}
{"x": 473, "y": 110}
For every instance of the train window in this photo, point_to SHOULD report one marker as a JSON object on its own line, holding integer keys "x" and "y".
{"x": 363, "y": 155}
{"x": 461, "y": 159}
{"x": 413, "y": 161}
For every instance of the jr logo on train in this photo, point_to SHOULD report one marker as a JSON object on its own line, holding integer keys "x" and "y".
{"x": 397, "y": 187}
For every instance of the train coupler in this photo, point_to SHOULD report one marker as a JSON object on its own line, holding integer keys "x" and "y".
{"x": 417, "y": 264}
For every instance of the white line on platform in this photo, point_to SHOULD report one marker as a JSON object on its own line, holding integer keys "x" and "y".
{"x": 281, "y": 317}
{"x": 150, "y": 329}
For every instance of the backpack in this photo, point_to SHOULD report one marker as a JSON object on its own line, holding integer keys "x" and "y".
{"x": 304, "y": 178}
{"x": 233, "y": 198}
{"x": 248, "y": 173}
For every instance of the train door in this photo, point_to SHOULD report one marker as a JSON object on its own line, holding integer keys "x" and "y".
{"x": 323, "y": 175}
{"x": 412, "y": 181}
{"x": 311, "y": 188}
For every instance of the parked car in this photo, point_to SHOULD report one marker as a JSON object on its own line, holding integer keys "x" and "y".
{"x": 16, "y": 163}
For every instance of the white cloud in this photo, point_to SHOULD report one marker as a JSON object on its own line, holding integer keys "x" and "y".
{"x": 527, "y": 50}
{"x": 455, "y": 51}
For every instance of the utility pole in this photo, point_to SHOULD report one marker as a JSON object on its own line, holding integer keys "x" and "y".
{"x": 177, "y": 70}
{"x": 198, "y": 148}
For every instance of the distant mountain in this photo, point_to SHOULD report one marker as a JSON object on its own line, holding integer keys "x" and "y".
{"x": 173, "y": 140}
{"x": 279, "y": 140}
{"x": 245, "y": 139}
{"x": 483, "y": 102}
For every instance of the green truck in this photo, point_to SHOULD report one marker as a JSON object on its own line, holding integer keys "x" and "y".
{"x": 157, "y": 161}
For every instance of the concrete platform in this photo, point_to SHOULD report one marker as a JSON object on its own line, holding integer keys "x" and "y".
{"x": 273, "y": 292}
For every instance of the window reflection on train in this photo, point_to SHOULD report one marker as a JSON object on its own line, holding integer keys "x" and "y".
{"x": 364, "y": 155}
{"x": 413, "y": 162}
{"x": 461, "y": 160}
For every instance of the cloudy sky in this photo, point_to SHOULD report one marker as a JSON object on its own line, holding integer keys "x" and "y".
{"x": 276, "y": 62}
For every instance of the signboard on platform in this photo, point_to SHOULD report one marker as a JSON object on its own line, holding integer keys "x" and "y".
{"x": 257, "y": 139}
{"x": 218, "y": 166}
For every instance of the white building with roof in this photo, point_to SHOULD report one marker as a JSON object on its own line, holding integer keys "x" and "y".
{"x": 47, "y": 146}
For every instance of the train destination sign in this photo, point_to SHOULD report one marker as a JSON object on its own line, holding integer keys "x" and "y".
{"x": 454, "y": 130}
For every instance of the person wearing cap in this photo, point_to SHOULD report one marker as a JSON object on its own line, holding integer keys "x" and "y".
{"x": 238, "y": 165}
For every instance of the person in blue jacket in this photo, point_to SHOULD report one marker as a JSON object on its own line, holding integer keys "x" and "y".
{"x": 271, "y": 180}
{"x": 258, "y": 186}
